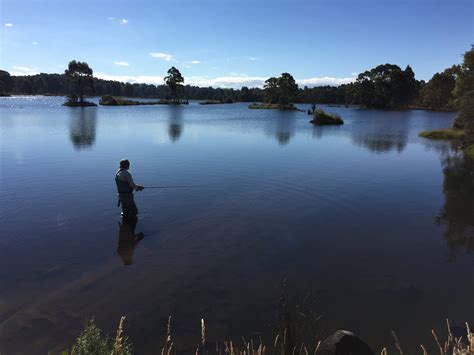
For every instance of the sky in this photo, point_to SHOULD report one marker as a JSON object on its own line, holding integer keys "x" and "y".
{"x": 234, "y": 43}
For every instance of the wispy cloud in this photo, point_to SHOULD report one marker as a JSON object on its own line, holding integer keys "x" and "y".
{"x": 354, "y": 73}
{"x": 230, "y": 81}
{"x": 35, "y": 43}
{"x": 110, "y": 18}
{"x": 121, "y": 64}
{"x": 9, "y": 24}
{"x": 164, "y": 56}
{"x": 251, "y": 58}
{"x": 20, "y": 70}
{"x": 123, "y": 21}
{"x": 195, "y": 61}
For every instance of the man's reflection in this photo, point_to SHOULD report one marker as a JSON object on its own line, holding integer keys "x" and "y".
{"x": 128, "y": 240}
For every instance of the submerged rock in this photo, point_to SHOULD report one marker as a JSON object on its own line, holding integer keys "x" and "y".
{"x": 344, "y": 342}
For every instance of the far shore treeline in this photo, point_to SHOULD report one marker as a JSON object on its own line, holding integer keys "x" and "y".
{"x": 385, "y": 86}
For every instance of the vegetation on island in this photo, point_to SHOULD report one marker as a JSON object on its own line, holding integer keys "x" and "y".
{"x": 109, "y": 100}
{"x": 78, "y": 77}
{"x": 217, "y": 102}
{"x": 462, "y": 97}
{"x": 270, "y": 106}
{"x": 280, "y": 93}
{"x": 322, "y": 118}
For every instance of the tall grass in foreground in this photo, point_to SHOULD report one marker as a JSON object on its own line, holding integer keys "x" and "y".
{"x": 93, "y": 342}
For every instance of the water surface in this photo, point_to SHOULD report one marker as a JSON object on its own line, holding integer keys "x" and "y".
{"x": 375, "y": 223}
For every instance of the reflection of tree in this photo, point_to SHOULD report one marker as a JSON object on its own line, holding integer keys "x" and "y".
{"x": 381, "y": 143}
{"x": 82, "y": 127}
{"x": 458, "y": 209}
{"x": 175, "y": 125}
{"x": 282, "y": 127}
{"x": 384, "y": 134}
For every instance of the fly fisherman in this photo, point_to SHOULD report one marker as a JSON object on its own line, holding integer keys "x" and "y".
{"x": 125, "y": 187}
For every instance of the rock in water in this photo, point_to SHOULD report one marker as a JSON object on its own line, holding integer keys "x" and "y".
{"x": 343, "y": 342}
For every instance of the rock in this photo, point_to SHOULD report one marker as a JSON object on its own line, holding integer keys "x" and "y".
{"x": 343, "y": 342}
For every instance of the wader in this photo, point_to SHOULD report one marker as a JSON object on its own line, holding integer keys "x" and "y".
{"x": 125, "y": 198}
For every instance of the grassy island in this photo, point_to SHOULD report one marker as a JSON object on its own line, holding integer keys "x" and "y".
{"x": 321, "y": 118}
{"x": 448, "y": 133}
{"x": 266, "y": 106}
{"x": 73, "y": 103}
{"x": 217, "y": 102}
{"x": 109, "y": 100}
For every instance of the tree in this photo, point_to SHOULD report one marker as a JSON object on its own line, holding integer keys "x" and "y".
{"x": 464, "y": 92}
{"x": 6, "y": 82}
{"x": 385, "y": 86}
{"x": 175, "y": 81}
{"x": 438, "y": 93}
{"x": 79, "y": 76}
{"x": 288, "y": 89}
{"x": 281, "y": 90}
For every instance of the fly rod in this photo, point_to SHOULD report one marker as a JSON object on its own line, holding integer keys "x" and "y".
{"x": 167, "y": 187}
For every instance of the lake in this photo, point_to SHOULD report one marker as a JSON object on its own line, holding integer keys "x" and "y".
{"x": 368, "y": 224}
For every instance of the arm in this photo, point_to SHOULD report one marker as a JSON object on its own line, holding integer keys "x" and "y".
{"x": 132, "y": 183}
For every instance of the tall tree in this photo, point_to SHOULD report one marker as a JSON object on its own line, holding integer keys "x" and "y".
{"x": 175, "y": 81}
{"x": 464, "y": 91}
{"x": 271, "y": 90}
{"x": 438, "y": 93}
{"x": 6, "y": 82}
{"x": 288, "y": 89}
{"x": 79, "y": 76}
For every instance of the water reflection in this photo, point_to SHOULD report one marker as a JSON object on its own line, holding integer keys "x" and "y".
{"x": 175, "y": 123}
{"x": 128, "y": 240}
{"x": 282, "y": 127}
{"x": 383, "y": 135}
{"x": 82, "y": 127}
{"x": 458, "y": 210}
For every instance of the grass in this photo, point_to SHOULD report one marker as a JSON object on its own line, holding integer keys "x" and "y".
{"x": 320, "y": 118}
{"x": 448, "y": 133}
{"x": 469, "y": 152}
{"x": 92, "y": 341}
{"x": 267, "y": 106}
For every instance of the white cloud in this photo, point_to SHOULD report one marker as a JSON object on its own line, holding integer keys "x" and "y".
{"x": 19, "y": 70}
{"x": 123, "y": 21}
{"x": 354, "y": 73}
{"x": 311, "y": 82}
{"x": 230, "y": 81}
{"x": 9, "y": 25}
{"x": 164, "y": 56}
{"x": 35, "y": 43}
{"x": 121, "y": 64}
{"x": 195, "y": 61}
{"x": 251, "y": 58}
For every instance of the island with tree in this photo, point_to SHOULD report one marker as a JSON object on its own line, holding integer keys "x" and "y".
{"x": 78, "y": 77}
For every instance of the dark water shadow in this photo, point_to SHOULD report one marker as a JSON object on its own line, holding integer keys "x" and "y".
{"x": 82, "y": 127}
{"x": 457, "y": 212}
{"x": 175, "y": 122}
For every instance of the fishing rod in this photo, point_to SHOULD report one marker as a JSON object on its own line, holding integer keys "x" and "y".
{"x": 167, "y": 187}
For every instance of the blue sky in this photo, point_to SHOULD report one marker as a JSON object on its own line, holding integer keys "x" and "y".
{"x": 230, "y": 43}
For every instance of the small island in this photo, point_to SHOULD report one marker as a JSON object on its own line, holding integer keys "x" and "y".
{"x": 109, "y": 100}
{"x": 280, "y": 93}
{"x": 322, "y": 118}
{"x": 79, "y": 77}
{"x": 270, "y": 106}
{"x": 217, "y": 102}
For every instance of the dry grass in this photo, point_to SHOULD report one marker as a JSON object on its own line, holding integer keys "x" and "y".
{"x": 282, "y": 344}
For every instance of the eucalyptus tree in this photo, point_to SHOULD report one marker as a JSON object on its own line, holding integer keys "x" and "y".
{"x": 175, "y": 81}
{"x": 80, "y": 77}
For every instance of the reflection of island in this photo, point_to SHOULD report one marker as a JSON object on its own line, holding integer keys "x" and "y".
{"x": 175, "y": 125}
{"x": 82, "y": 127}
{"x": 128, "y": 240}
{"x": 282, "y": 127}
{"x": 458, "y": 209}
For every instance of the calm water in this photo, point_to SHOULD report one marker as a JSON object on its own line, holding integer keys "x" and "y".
{"x": 375, "y": 223}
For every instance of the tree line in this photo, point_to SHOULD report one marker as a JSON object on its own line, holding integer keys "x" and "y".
{"x": 386, "y": 86}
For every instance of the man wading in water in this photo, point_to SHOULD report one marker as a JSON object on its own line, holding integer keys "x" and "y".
{"x": 125, "y": 187}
